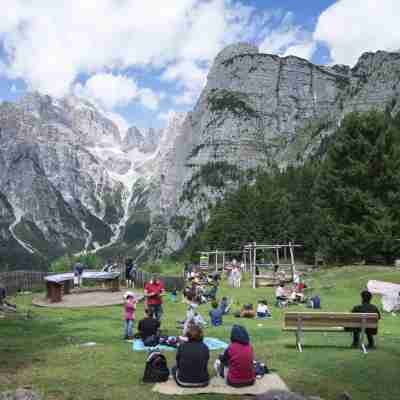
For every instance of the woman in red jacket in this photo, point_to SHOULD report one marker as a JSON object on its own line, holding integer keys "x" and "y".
{"x": 239, "y": 357}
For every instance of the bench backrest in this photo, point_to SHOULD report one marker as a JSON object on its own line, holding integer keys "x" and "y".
{"x": 330, "y": 319}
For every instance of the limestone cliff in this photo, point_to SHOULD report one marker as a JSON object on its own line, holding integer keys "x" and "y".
{"x": 260, "y": 108}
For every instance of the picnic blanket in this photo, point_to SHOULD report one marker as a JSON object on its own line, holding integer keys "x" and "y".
{"x": 218, "y": 385}
{"x": 212, "y": 344}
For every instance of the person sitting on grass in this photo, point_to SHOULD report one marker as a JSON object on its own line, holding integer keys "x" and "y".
{"x": 224, "y": 305}
{"x": 263, "y": 311}
{"x": 192, "y": 360}
{"x": 130, "y": 307}
{"x": 211, "y": 293}
{"x": 193, "y": 318}
{"x": 148, "y": 326}
{"x": 247, "y": 311}
{"x": 216, "y": 314}
{"x": 236, "y": 364}
{"x": 280, "y": 294}
{"x": 365, "y": 307}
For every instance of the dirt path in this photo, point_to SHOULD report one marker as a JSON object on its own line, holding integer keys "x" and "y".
{"x": 91, "y": 299}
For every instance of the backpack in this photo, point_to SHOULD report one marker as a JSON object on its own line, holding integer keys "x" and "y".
{"x": 316, "y": 302}
{"x": 260, "y": 368}
{"x": 156, "y": 369}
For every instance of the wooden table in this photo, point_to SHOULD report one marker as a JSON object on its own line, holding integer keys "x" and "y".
{"x": 59, "y": 284}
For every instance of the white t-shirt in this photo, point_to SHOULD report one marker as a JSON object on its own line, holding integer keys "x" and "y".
{"x": 280, "y": 292}
{"x": 262, "y": 309}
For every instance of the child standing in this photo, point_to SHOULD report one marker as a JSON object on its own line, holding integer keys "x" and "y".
{"x": 130, "y": 308}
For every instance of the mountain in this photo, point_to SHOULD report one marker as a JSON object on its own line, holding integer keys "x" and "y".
{"x": 145, "y": 141}
{"x": 69, "y": 182}
{"x": 66, "y": 180}
{"x": 258, "y": 109}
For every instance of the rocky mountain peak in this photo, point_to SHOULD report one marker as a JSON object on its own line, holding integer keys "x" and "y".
{"x": 68, "y": 181}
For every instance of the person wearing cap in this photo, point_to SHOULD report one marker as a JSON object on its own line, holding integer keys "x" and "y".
{"x": 365, "y": 307}
{"x": 129, "y": 308}
{"x": 154, "y": 290}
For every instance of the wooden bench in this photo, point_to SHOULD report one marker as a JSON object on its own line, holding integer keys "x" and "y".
{"x": 302, "y": 322}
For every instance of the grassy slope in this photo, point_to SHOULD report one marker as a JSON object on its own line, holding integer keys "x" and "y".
{"x": 43, "y": 353}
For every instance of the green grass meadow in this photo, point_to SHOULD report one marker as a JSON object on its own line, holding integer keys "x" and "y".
{"x": 44, "y": 353}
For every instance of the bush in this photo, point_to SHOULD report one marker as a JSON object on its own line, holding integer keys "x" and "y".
{"x": 66, "y": 263}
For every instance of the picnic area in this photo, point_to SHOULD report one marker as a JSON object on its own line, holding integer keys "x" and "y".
{"x": 79, "y": 353}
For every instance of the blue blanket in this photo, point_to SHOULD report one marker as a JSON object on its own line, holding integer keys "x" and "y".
{"x": 212, "y": 344}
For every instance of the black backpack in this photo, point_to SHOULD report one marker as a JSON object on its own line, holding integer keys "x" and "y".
{"x": 156, "y": 369}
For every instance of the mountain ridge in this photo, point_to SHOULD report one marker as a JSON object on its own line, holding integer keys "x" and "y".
{"x": 71, "y": 183}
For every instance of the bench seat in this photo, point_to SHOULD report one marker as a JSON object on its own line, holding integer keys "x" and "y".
{"x": 303, "y": 322}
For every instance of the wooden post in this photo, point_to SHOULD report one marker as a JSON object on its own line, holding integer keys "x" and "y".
{"x": 292, "y": 260}
{"x": 277, "y": 256}
{"x": 254, "y": 264}
{"x": 223, "y": 260}
{"x": 216, "y": 260}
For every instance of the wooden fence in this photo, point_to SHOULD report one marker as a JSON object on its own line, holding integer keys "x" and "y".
{"x": 170, "y": 282}
{"x": 15, "y": 281}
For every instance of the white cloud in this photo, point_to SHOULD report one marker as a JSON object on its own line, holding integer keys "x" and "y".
{"x": 302, "y": 50}
{"x": 191, "y": 79}
{"x": 288, "y": 39}
{"x": 109, "y": 90}
{"x": 352, "y": 27}
{"x": 149, "y": 98}
{"x": 49, "y": 44}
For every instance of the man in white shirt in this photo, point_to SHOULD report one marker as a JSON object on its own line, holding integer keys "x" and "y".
{"x": 280, "y": 292}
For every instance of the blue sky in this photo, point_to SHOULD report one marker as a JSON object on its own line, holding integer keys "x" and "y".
{"x": 141, "y": 61}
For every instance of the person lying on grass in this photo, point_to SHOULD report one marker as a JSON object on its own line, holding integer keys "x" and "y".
{"x": 192, "y": 358}
{"x": 236, "y": 364}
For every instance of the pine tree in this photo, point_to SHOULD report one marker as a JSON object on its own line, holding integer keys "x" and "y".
{"x": 358, "y": 187}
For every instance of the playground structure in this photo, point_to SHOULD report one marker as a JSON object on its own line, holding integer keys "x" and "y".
{"x": 278, "y": 272}
{"x": 219, "y": 259}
